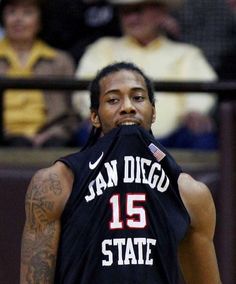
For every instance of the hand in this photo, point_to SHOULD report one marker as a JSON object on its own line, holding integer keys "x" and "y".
{"x": 39, "y": 139}
{"x": 198, "y": 123}
{"x": 171, "y": 25}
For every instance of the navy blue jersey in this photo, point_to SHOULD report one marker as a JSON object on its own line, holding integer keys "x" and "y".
{"x": 124, "y": 218}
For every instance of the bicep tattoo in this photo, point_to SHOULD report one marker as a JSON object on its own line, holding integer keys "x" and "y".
{"x": 41, "y": 230}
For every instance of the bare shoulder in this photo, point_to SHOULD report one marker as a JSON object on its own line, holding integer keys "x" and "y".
{"x": 197, "y": 199}
{"x": 49, "y": 189}
{"x": 192, "y": 188}
{"x": 196, "y": 251}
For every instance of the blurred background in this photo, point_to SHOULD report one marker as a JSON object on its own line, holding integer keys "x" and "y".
{"x": 49, "y": 50}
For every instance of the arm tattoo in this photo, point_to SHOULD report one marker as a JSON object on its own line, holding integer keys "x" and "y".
{"x": 38, "y": 249}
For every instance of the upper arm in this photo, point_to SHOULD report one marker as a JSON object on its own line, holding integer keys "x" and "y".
{"x": 196, "y": 252}
{"x": 44, "y": 203}
{"x": 58, "y": 102}
{"x": 64, "y": 64}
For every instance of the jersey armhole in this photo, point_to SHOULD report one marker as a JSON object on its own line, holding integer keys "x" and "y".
{"x": 70, "y": 166}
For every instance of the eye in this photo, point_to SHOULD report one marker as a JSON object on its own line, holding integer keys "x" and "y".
{"x": 112, "y": 101}
{"x": 139, "y": 98}
{"x": 30, "y": 11}
{"x": 9, "y": 11}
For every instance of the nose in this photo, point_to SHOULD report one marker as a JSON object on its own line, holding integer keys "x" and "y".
{"x": 127, "y": 107}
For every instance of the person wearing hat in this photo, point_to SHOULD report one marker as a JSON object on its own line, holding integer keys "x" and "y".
{"x": 32, "y": 118}
{"x": 184, "y": 120}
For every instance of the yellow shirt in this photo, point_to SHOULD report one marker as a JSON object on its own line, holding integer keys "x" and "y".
{"x": 24, "y": 110}
{"x": 162, "y": 59}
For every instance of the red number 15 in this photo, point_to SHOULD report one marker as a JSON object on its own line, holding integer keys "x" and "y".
{"x": 136, "y": 215}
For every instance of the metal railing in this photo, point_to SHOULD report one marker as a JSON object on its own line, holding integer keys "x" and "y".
{"x": 70, "y": 84}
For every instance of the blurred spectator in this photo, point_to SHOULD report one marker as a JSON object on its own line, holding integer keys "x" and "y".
{"x": 210, "y": 25}
{"x": 33, "y": 117}
{"x": 71, "y": 24}
{"x": 183, "y": 120}
{"x": 227, "y": 66}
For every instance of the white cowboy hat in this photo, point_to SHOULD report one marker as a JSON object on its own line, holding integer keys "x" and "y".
{"x": 169, "y": 3}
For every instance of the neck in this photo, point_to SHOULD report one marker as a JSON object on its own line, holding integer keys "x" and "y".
{"x": 21, "y": 46}
{"x": 22, "y": 49}
{"x": 144, "y": 41}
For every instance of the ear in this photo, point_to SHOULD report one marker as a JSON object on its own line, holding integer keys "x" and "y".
{"x": 95, "y": 119}
{"x": 153, "y": 114}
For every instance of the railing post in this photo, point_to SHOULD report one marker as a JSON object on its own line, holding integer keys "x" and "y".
{"x": 226, "y": 214}
{"x": 1, "y": 117}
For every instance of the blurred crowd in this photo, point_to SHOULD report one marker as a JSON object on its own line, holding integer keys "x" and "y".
{"x": 171, "y": 40}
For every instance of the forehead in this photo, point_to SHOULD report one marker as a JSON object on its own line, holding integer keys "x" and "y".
{"x": 136, "y": 7}
{"x": 21, "y": 4}
{"x": 120, "y": 79}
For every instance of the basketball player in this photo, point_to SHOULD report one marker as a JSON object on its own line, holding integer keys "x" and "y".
{"x": 121, "y": 210}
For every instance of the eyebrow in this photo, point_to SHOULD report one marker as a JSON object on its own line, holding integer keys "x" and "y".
{"x": 118, "y": 90}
